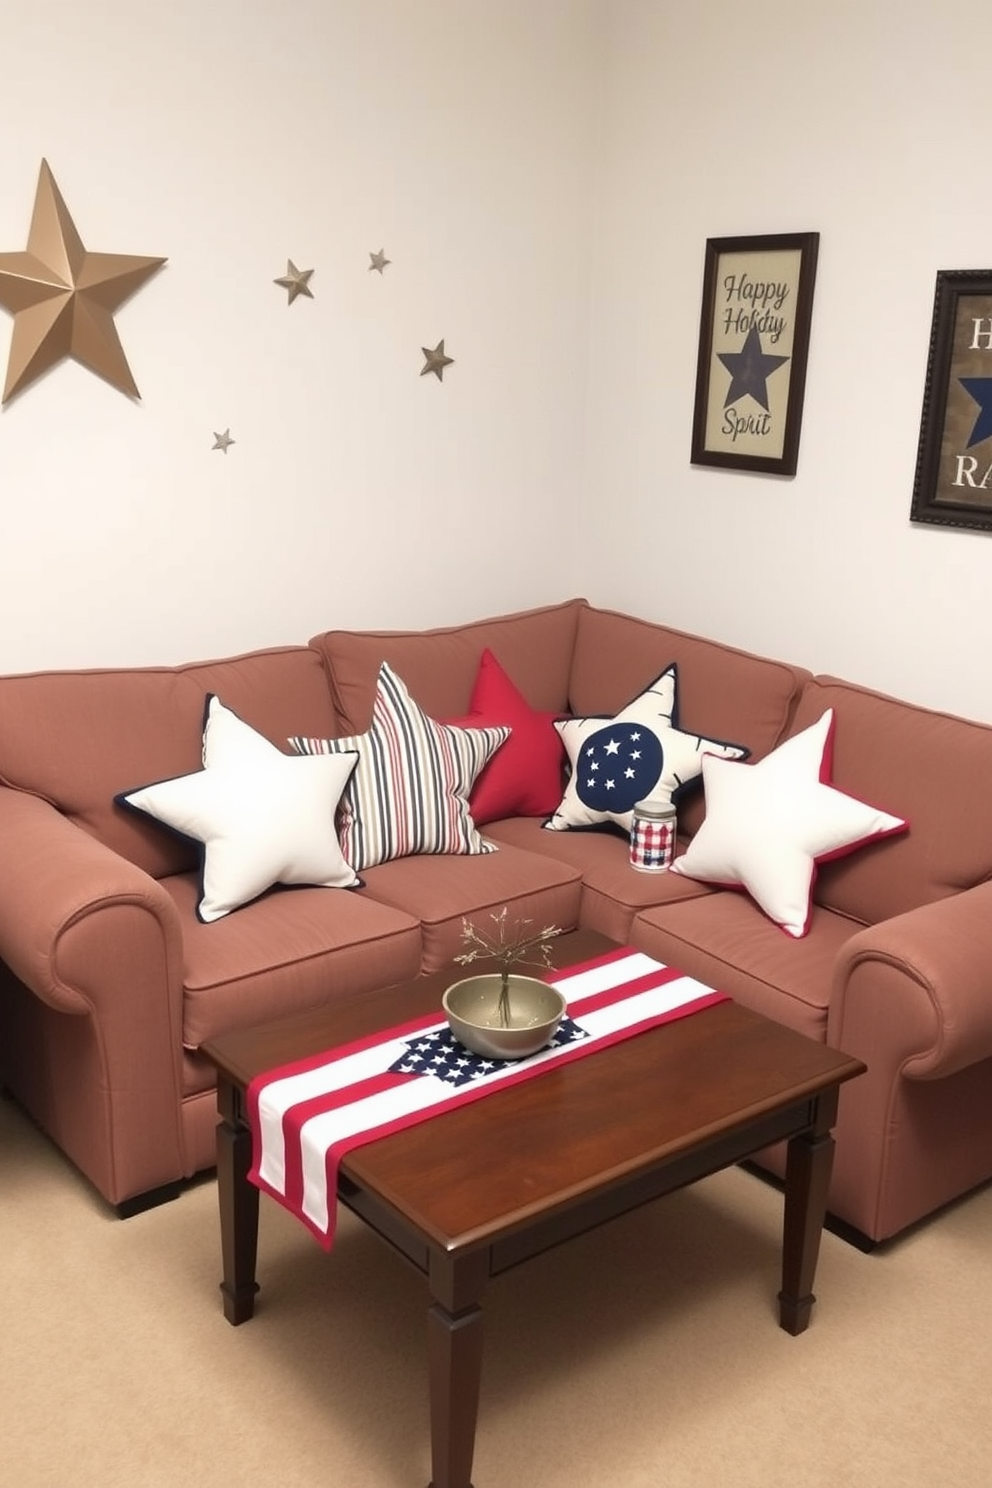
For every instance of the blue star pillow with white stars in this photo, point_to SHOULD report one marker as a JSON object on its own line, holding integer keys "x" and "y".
{"x": 639, "y": 752}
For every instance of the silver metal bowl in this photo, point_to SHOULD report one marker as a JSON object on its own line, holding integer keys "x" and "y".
{"x": 472, "y": 1009}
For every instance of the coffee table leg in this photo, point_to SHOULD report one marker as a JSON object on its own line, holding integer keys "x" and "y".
{"x": 455, "y": 1358}
{"x": 238, "y": 1208}
{"x": 809, "y": 1161}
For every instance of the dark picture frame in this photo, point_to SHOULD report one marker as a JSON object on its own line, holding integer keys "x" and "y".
{"x": 753, "y": 347}
{"x": 953, "y": 485}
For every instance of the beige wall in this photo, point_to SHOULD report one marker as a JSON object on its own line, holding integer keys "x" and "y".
{"x": 544, "y": 174}
{"x": 231, "y": 135}
{"x": 865, "y": 121}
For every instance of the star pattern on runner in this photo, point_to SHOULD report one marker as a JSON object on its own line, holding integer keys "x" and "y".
{"x": 439, "y": 1053}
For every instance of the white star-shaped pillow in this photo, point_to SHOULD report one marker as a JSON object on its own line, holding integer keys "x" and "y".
{"x": 639, "y": 752}
{"x": 263, "y": 817}
{"x": 768, "y": 825}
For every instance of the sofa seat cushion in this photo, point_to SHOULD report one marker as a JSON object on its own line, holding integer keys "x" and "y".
{"x": 285, "y": 953}
{"x": 440, "y": 666}
{"x": 612, "y": 891}
{"x": 443, "y": 890}
{"x": 727, "y": 942}
{"x": 199, "y": 1078}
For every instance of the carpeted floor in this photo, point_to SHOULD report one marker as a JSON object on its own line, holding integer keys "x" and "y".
{"x": 646, "y": 1355}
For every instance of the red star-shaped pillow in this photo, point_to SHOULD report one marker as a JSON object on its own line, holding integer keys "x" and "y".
{"x": 524, "y": 776}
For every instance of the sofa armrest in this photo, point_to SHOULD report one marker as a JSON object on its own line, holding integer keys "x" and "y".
{"x": 921, "y": 983}
{"x": 57, "y": 886}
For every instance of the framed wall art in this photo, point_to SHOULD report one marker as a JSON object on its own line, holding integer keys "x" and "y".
{"x": 953, "y": 486}
{"x": 753, "y": 346}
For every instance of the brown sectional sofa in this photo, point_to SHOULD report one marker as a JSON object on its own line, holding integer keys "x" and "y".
{"x": 109, "y": 983}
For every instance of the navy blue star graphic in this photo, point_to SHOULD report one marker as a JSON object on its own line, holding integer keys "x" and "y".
{"x": 979, "y": 388}
{"x": 438, "y": 1053}
{"x": 618, "y": 767}
{"x": 750, "y": 369}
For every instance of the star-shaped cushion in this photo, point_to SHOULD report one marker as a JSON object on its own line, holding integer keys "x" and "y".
{"x": 410, "y": 790}
{"x": 524, "y": 776}
{"x": 768, "y": 825}
{"x": 263, "y": 817}
{"x": 639, "y": 752}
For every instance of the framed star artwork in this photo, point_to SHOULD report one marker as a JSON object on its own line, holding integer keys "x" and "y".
{"x": 753, "y": 345}
{"x": 953, "y": 485}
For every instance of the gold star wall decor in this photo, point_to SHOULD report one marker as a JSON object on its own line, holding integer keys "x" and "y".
{"x": 222, "y": 441}
{"x": 379, "y": 261}
{"x": 296, "y": 281}
{"x": 63, "y": 298}
{"x": 436, "y": 361}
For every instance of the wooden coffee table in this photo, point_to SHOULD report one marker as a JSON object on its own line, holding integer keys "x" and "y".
{"x": 468, "y": 1194}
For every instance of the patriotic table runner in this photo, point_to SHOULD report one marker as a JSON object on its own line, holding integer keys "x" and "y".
{"x": 306, "y": 1116}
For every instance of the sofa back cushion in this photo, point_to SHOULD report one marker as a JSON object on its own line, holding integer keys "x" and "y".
{"x": 78, "y": 738}
{"x": 931, "y": 768}
{"x": 723, "y": 693}
{"x": 440, "y": 666}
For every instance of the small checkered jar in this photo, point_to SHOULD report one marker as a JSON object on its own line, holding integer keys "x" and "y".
{"x": 652, "y": 836}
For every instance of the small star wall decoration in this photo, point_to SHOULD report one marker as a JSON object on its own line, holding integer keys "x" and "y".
{"x": 379, "y": 261}
{"x": 222, "y": 441}
{"x": 296, "y": 281}
{"x": 63, "y": 298}
{"x": 436, "y": 361}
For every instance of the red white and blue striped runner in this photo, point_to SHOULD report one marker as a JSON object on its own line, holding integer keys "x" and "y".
{"x": 307, "y": 1115}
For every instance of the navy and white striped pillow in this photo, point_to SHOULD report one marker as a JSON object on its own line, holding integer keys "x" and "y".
{"x": 409, "y": 791}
